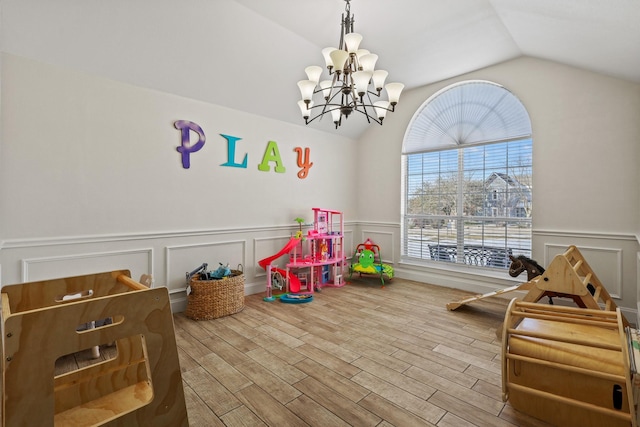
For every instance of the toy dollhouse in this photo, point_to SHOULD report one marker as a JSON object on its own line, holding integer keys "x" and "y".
{"x": 319, "y": 259}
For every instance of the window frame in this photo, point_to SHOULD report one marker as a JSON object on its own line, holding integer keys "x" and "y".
{"x": 456, "y": 221}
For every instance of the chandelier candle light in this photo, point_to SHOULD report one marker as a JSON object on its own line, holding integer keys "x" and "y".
{"x": 354, "y": 81}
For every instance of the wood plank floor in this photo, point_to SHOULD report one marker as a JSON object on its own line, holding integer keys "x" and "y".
{"x": 360, "y": 355}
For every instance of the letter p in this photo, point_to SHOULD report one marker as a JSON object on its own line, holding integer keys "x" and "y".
{"x": 186, "y": 148}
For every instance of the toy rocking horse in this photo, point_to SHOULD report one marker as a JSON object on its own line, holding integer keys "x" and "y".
{"x": 522, "y": 263}
{"x": 533, "y": 269}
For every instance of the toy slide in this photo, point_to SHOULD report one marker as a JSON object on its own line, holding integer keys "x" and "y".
{"x": 294, "y": 282}
{"x": 521, "y": 287}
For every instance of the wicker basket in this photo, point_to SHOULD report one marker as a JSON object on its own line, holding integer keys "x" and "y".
{"x": 210, "y": 299}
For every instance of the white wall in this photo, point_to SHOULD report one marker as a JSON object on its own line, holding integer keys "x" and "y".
{"x": 586, "y": 149}
{"x": 586, "y": 136}
{"x": 90, "y": 179}
{"x": 85, "y": 155}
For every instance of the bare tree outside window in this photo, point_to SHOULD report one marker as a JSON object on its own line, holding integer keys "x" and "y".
{"x": 484, "y": 208}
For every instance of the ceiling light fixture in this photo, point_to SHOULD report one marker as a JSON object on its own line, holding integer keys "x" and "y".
{"x": 354, "y": 81}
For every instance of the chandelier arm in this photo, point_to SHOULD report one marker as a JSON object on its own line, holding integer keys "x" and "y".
{"x": 334, "y": 85}
{"x": 327, "y": 102}
{"x": 369, "y": 93}
{"x": 333, "y": 96}
{"x": 390, "y": 109}
{"x": 364, "y": 111}
{"x": 335, "y": 107}
{"x": 331, "y": 93}
{"x": 364, "y": 106}
{"x": 369, "y": 117}
{"x": 324, "y": 107}
{"x": 320, "y": 115}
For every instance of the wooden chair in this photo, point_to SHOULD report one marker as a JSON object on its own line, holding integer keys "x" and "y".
{"x": 141, "y": 385}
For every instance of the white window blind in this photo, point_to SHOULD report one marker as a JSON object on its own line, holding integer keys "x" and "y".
{"x": 467, "y": 189}
{"x": 467, "y": 113}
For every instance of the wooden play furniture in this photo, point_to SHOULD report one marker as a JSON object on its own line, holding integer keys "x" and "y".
{"x": 569, "y": 275}
{"x": 140, "y": 386}
{"x": 567, "y": 366}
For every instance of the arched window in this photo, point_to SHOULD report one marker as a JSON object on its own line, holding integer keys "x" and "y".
{"x": 467, "y": 177}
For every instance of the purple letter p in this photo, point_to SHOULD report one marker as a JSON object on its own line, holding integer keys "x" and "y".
{"x": 186, "y": 148}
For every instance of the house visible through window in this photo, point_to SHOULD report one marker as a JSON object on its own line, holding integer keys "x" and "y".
{"x": 467, "y": 177}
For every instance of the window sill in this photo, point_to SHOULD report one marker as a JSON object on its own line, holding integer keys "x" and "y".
{"x": 462, "y": 270}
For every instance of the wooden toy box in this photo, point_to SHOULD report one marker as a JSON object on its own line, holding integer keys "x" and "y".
{"x": 41, "y": 322}
{"x": 567, "y": 366}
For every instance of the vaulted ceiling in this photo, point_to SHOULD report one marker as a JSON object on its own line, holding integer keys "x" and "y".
{"x": 249, "y": 54}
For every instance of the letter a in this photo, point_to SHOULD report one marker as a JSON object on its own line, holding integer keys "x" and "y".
{"x": 272, "y": 154}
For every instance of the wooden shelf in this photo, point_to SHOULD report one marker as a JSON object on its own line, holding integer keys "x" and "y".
{"x": 107, "y": 408}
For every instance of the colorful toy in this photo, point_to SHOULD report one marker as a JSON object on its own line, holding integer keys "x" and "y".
{"x": 296, "y": 298}
{"x": 317, "y": 258}
{"x": 203, "y": 274}
{"x": 300, "y": 221}
{"x": 367, "y": 260}
{"x": 278, "y": 276}
{"x": 321, "y": 257}
{"x": 200, "y": 270}
{"x": 221, "y": 272}
{"x": 568, "y": 275}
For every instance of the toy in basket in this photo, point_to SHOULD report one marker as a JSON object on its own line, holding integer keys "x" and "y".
{"x": 213, "y": 294}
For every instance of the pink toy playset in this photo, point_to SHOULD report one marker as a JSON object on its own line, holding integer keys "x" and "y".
{"x": 316, "y": 259}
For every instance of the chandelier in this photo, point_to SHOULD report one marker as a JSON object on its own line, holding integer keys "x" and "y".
{"x": 353, "y": 81}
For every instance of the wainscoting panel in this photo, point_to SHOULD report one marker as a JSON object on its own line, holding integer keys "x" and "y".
{"x": 138, "y": 261}
{"x": 606, "y": 264}
{"x": 265, "y": 247}
{"x": 349, "y": 244}
{"x": 612, "y": 257}
{"x": 169, "y": 256}
{"x": 384, "y": 239}
{"x": 183, "y": 259}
